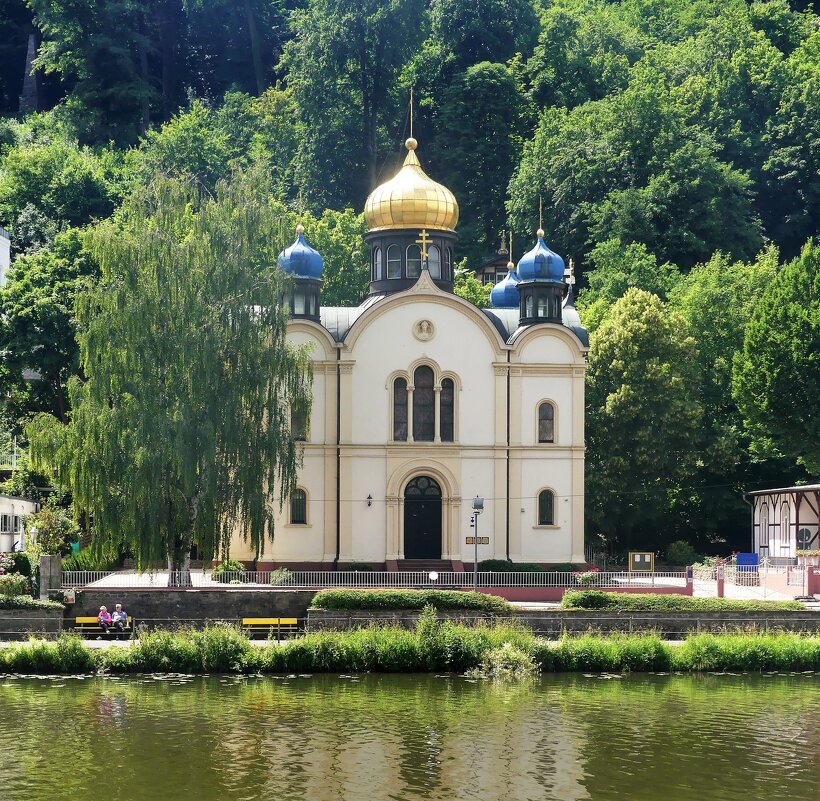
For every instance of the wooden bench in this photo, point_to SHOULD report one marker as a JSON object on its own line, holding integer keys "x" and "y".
{"x": 271, "y": 626}
{"x": 92, "y": 624}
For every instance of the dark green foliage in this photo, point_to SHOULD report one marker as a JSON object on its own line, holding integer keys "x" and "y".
{"x": 91, "y": 559}
{"x": 22, "y": 563}
{"x": 27, "y": 602}
{"x": 638, "y": 602}
{"x": 503, "y": 566}
{"x": 408, "y": 599}
{"x": 681, "y": 552}
{"x": 225, "y": 567}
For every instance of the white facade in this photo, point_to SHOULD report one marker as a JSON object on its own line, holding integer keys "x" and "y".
{"x": 355, "y": 474}
{"x": 782, "y": 516}
{"x": 12, "y": 513}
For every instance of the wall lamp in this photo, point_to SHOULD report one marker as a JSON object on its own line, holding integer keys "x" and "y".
{"x": 369, "y": 500}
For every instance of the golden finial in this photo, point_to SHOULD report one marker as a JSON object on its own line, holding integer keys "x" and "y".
{"x": 300, "y": 229}
{"x": 511, "y": 265}
{"x": 411, "y": 144}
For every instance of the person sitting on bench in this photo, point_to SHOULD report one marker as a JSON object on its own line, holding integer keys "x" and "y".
{"x": 105, "y": 620}
{"x": 119, "y": 619}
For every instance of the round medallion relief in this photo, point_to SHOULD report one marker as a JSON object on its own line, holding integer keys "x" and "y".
{"x": 424, "y": 330}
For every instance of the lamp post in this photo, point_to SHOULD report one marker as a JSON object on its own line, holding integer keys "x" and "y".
{"x": 478, "y": 508}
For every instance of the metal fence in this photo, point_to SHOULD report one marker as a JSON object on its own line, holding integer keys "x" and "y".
{"x": 312, "y": 579}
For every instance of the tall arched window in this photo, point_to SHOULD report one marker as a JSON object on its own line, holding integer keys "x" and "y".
{"x": 785, "y": 534}
{"x": 378, "y": 267}
{"x": 393, "y": 262}
{"x": 447, "y": 401}
{"x": 298, "y": 508}
{"x": 298, "y": 422}
{"x": 400, "y": 409}
{"x": 424, "y": 404}
{"x": 528, "y": 306}
{"x": 434, "y": 261}
{"x": 546, "y": 510}
{"x": 413, "y": 261}
{"x": 448, "y": 264}
{"x": 546, "y": 422}
{"x": 542, "y": 306}
{"x": 764, "y": 527}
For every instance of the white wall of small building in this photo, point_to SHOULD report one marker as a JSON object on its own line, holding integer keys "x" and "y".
{"x": 12, "y": 509}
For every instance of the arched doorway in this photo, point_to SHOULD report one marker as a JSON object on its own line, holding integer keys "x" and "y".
{"x": 422, "y": 519}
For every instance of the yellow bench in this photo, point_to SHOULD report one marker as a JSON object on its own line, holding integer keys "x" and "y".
{"x": 271, "y": 626}
{"x": 93, "y": 624}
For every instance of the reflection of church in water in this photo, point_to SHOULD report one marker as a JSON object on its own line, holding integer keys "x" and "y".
{"x": 422, "y": 401}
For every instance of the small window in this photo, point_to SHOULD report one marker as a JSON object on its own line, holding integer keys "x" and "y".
{"x": 528, "y": 306}
{"x": 448, "y": 264}
{"x": 400, "y": 410}
{"x": 393, "y": 262}
{"x": 546, "y": 503}
{"x": 298, "y": 508}
{"x": 16, "y": 527}
{"x": 543, "y": 308}
{"x": 378, "y": 267}
{"x": 447, "y": 420}
{"x": 298, "y": 303}
{"x": 413, "y": 261}
{"x": 546, "y": 422}
{"x": 434, "y": 261}
{"x": 500, "y": 277}
{"x": 298, "y": 422}
{"x": 5, "y": 524}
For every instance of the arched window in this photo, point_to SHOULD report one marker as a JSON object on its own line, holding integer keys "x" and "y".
{"x": 785, "y": 536}
{"x": 393, "y": 262}
{"x": 298, "y": 302}
{"x": 298, "y": 508}
{"x": 424, "y": 406}
{"x": 546, "y": 422}
{"x": 413, "y": 261}
{"x": 434, "y": 261}
{"x": 528, "y": 306}
{"x": 400, "y": 409}
{"x": 378, "y": 267}
{"x": 448, "y": 264}
{"x": 764, "y": 527}
{"x": 542, "y": 307}
{"x": 298, "y": 422}
{"x": 447, "y": 420}
{"x": 546, "y": 504}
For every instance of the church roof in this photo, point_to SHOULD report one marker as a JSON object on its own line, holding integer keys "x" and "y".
{"x": 338, "y": 320}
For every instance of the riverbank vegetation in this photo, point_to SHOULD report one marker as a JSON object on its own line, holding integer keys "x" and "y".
{"x": 432, "y": 646}
{"x": 645, "y": 602}
{"x": 409, "y": 599}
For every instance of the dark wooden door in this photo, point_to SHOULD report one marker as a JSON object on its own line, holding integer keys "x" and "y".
{"x": 422, "y": 519}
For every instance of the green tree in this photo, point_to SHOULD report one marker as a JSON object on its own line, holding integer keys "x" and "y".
{"x": 180, "y": 433}
{"x": 343, "y": 64}
{"x": 53, "y": 530}
{"x": 777, "y": 373}
{"x": 337, "y": 235}
{"x": 467, "y": 286}
{"x": 643, "y": 420}
{"x": 37, "y": 308}
{"x": 617, "y": 268}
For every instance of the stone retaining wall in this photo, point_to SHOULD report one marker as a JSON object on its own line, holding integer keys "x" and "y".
{"x": 17, "y": 624}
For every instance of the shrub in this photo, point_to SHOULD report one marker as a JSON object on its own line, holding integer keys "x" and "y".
{"x": 223, "y": 570}
{"x": 640, "y": 602}
{"x": 681, "y": 552}
{"x": 68, "y": 654}
{"x": 13, "y": 585}
{"x": 89, "y": 559}
{"x": 55, "y": 530}
{"x": 16, "y": 562}
{"x": 281, "y": 576}
{"x": 408, "y": 599}
{"x": 503, "y": 566}
{"x": 27, "y": 602}
{"x": 507, "y": 663}
{"x": 565, "y": 567}
{"x": 359, "y": 566}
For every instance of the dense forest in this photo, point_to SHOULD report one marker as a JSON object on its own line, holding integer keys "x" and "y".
{"x": 674, "y": 146}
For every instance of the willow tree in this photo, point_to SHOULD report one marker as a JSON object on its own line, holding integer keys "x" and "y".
{"x": 180, "y": 430}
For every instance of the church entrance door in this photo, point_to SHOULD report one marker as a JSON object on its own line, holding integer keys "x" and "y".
{"x": 422, "y": 519}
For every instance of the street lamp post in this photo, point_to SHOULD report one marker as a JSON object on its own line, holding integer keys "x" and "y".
{"x": 478, "y": 508}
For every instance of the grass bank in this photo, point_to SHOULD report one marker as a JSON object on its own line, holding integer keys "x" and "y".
{"x": 432, "y": 646}
{"x": 639, "y": 602}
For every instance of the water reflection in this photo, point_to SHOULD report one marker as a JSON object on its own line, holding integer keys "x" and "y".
{"x": 374, "y": 738}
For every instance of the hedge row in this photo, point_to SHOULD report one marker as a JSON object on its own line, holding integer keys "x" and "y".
{"x": 27, "y": 602}
{"x": 628, "y": 602}
{"x": 408, "y": 599}
{"x": 431, "y": 647}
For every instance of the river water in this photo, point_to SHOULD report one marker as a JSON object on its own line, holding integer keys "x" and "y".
{"x": 374, "y": 738}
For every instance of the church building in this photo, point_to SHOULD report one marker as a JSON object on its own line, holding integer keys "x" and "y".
{"x": 421, "y": 401}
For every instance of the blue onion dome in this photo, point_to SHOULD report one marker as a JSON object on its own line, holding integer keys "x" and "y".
{"x": 541, "y": 263}
{"x": 504, "y": 294}
{"x": 300, "y": 259}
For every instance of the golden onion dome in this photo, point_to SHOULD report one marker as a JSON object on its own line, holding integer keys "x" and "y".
{"x": 411, "y": 199}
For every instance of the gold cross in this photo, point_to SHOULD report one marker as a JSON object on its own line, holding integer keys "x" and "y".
{"x": 424, "y": 240}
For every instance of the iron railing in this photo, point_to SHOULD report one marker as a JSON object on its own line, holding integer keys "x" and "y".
{"x": 313, "y": 579}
